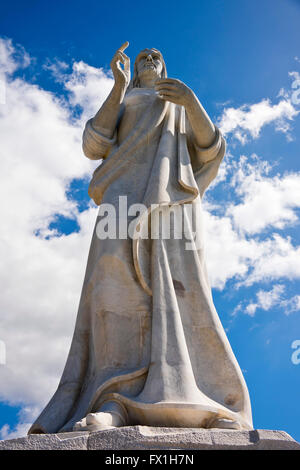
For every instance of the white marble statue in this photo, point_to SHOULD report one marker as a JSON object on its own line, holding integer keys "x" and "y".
{"x": 148, "y": 346}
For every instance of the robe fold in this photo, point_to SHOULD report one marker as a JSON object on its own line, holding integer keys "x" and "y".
{"x": 147, "y": 334}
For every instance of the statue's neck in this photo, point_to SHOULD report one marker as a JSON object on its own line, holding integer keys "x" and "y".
{"x": 148, "y": 83}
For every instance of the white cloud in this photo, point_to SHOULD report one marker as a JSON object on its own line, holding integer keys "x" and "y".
{"x": 252, "y": 250}
{"x": 12, "y": 56}
{"x": 267, "y": 204}
{"x": 296, "y": 77}
{"x": 57, "y": 67}
{"x": 19, "y": 431}
{"x": 276, "y": 258}
{"x": 291, "y": 305}
{"x": 231, "y": 255}
{"x": 26, "y": 417}
{"x": 10, "y": 432}
{"x": 265, "y": 299}
{"x": 41, "y": 278}
{"x": 266, "y": 201}
{"x": 88, "y": 86}
{"x": 228, "y": 255}
{"x": 248, "y": 120}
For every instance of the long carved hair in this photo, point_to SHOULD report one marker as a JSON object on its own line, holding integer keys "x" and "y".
{"x": 134, "y": 82}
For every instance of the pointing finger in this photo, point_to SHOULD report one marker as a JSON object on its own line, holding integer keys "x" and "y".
{"x": 124, "y": 46}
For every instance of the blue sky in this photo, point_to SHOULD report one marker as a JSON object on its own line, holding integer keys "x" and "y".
{"x": 241, "y": 59}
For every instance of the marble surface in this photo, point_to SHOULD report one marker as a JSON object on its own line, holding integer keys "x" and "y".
{"x": 148, "y": 346}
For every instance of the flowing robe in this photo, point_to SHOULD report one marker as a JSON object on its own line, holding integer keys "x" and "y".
{"x": 147, "y": 333}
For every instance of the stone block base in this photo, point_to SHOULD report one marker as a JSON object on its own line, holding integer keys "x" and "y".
{"x": 155, "y": 438}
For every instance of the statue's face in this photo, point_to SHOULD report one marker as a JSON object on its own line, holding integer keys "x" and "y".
{"x": 149, "y": 64}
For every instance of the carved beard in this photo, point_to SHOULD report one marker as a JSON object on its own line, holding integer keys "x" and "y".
{"x": 135, "y": 83}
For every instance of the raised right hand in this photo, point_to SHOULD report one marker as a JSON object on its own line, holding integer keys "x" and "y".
{"x": 121, "y": 75}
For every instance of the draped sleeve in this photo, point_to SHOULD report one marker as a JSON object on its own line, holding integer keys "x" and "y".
{"x": 205, "y": 161}
{"x": 206, "y": 154}
{"x": 94, "y": 144}
{"x": 208, "y": 161}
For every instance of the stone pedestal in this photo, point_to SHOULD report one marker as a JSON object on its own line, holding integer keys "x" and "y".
{"x": 150, "y": 438}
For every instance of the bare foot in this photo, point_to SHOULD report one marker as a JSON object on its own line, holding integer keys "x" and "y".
{"x": 112, "y": 417}
{"x": 98, "y": 421}
{"x": 104, "y": 419}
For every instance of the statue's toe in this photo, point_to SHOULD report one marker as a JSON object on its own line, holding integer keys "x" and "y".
{"x": 101, "y": 419}
{"x": 80, "y": 424}
{"x": 94, "y": 418}
{"x": 113, "y": 416}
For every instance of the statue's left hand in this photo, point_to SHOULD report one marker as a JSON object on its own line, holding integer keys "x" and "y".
{"x": 170, "y": 89}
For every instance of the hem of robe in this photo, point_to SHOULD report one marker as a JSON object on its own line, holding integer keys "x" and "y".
{"x": 182, "y": 414}
{"x": 175, "y": 414}
{"x": 165, "y": 413}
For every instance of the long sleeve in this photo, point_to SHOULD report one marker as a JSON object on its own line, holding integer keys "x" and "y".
{"x": 201, "y": 155}
{"x": 207, "y": 161}
{"x": 95, "y": 145}
{"x": 207, "y": 154}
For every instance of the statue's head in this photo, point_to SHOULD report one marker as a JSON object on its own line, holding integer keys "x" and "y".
{"x": 148, "y": 66}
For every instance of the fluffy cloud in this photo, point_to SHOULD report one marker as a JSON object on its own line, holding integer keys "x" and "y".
{"x": 20, "y": 430}
{"x": 276, "y": 258}
{"x": 40, "y": 277}
{"x": 230, "y": 258}
{"x": 249, "y": 225}
{"x": 248, "y": 120}
{"x": 265, "y": 300}
{"x": 248, "y": 261}
{"x": 88, "y": 87}
{"x": 291, "y": 305}
{"x": 25, "y": 416}
{"x": 12, "y": 57}
{"x": 292, "y": 95}
{"x": 265, "y": 201}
